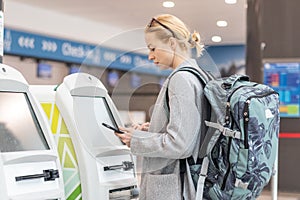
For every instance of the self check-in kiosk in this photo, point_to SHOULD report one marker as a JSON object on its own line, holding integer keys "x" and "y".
{"x": 29, "y": 164}
{"x": 105, "y": 164}
{"x": 45, "y": 94}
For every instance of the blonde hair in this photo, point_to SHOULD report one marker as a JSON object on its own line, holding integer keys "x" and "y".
{"x": 174, "y": 27}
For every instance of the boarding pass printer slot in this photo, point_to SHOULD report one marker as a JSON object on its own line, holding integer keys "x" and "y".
{"x": 124, "y": 193}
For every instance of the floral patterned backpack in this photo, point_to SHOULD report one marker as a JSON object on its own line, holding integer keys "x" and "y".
{"x": 240, "y": 146}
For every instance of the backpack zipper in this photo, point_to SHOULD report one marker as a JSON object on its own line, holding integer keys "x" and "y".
{"x": 227, "y": 117}
{"x": 246, "y": 115}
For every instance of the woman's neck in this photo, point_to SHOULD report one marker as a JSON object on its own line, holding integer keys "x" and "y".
{"x": 179, "y": 59}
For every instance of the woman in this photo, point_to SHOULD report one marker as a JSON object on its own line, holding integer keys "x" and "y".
{"x": 175, "y": 126}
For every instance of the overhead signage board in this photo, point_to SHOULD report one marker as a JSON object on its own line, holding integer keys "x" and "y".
{"x": 39, "y": 46}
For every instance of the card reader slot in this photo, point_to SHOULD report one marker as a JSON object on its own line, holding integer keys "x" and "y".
{"x": 126, "y": 165}
{"x": 48, "y": 175}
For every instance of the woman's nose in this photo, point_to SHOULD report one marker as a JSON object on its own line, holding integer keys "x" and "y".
{"x": 150, "y": 56}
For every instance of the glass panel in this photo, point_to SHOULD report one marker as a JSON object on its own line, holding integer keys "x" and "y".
{"x": 19, "y": 128}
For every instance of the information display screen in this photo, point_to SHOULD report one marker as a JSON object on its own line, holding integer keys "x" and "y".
{"x": 112, "y": 78}
{"x": 284, "y": 77}
{"x": 44, "y": 70}
{"x": 19, "y": 128}
{"x": 74, "y": 69}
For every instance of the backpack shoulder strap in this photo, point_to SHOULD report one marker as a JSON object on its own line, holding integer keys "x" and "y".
{"x": 203, "y": 76}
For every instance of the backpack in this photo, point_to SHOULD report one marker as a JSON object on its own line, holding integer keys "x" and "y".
{"x": 239, "y": 149}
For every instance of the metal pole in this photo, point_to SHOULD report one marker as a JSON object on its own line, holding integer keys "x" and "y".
{"x": 274, "y": 181}
{"x": 1, "y": 30}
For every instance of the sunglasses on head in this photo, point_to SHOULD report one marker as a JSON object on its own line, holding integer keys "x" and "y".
{"x": 158, "y": 22}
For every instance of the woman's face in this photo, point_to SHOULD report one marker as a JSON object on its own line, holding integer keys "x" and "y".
{"x": 159, "y": 52}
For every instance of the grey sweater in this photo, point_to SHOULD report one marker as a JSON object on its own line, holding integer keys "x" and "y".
{"x": 172, "y": 135}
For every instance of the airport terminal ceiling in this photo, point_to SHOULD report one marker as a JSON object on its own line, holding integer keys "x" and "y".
{"x": 200, "y": 15}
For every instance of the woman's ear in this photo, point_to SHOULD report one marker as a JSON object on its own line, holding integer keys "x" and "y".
{"x": 173, "y": 43}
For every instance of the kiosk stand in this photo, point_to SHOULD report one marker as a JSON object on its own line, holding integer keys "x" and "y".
{"x": 105, "y": 164}
{"x": 29, "y": 164}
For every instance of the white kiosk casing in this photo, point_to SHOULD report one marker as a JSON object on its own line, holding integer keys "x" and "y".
{"x": 29, "y": 164}
{"x": 45, "y": 94}
{"x": 105, "y": 164}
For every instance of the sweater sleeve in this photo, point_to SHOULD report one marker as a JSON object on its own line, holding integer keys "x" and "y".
{"x": 182, "y": 130}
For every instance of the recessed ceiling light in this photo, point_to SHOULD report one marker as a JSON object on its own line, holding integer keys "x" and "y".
{"x": 230, "y": 1}
{"x": 216, "y": 38}
{"x": 221, "y": 23}
{"x": 168, "y": 4}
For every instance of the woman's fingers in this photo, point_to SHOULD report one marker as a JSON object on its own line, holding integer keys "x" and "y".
{"x": 145, "y": 126}
{"x": 126, "y": 136}
{"x": 142, "y": 127}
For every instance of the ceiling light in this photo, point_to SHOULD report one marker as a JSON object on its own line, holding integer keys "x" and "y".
{"x": 168, "y": 4}
{"x": 230, "y": 1}
{"x": 216, "y": 38}
{"x": 221, "y": 23}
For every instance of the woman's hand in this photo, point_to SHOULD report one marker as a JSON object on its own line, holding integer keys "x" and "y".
{"x": 142, "y": 127}
{"x": 126, "y": 136}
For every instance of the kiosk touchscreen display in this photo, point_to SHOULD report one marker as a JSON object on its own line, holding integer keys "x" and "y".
{"x": 91, "y": 112}
{"x": 106, "y": 116}
{"x": 19, "y": 128}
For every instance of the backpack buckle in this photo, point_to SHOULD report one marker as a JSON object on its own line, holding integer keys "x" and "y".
{"x": 224, "y": 130}
{"x": 231, "y": 133}
{"x": 239, "y": 183}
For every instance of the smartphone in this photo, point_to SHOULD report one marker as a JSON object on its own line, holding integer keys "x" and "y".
{"x": 112, "y": 128}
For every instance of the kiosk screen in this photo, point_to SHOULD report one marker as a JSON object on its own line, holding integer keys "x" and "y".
{"x": 106, "y": 116}
{"x": 19, "y": 128}
{"x": 91, "y": 112}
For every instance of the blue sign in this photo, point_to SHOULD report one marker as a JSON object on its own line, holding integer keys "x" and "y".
{"x": 44, "y": 47}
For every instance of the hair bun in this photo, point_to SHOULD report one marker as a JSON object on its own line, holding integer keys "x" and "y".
{"x": 195, "y": 36}
{"x": 195, "y": 41}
